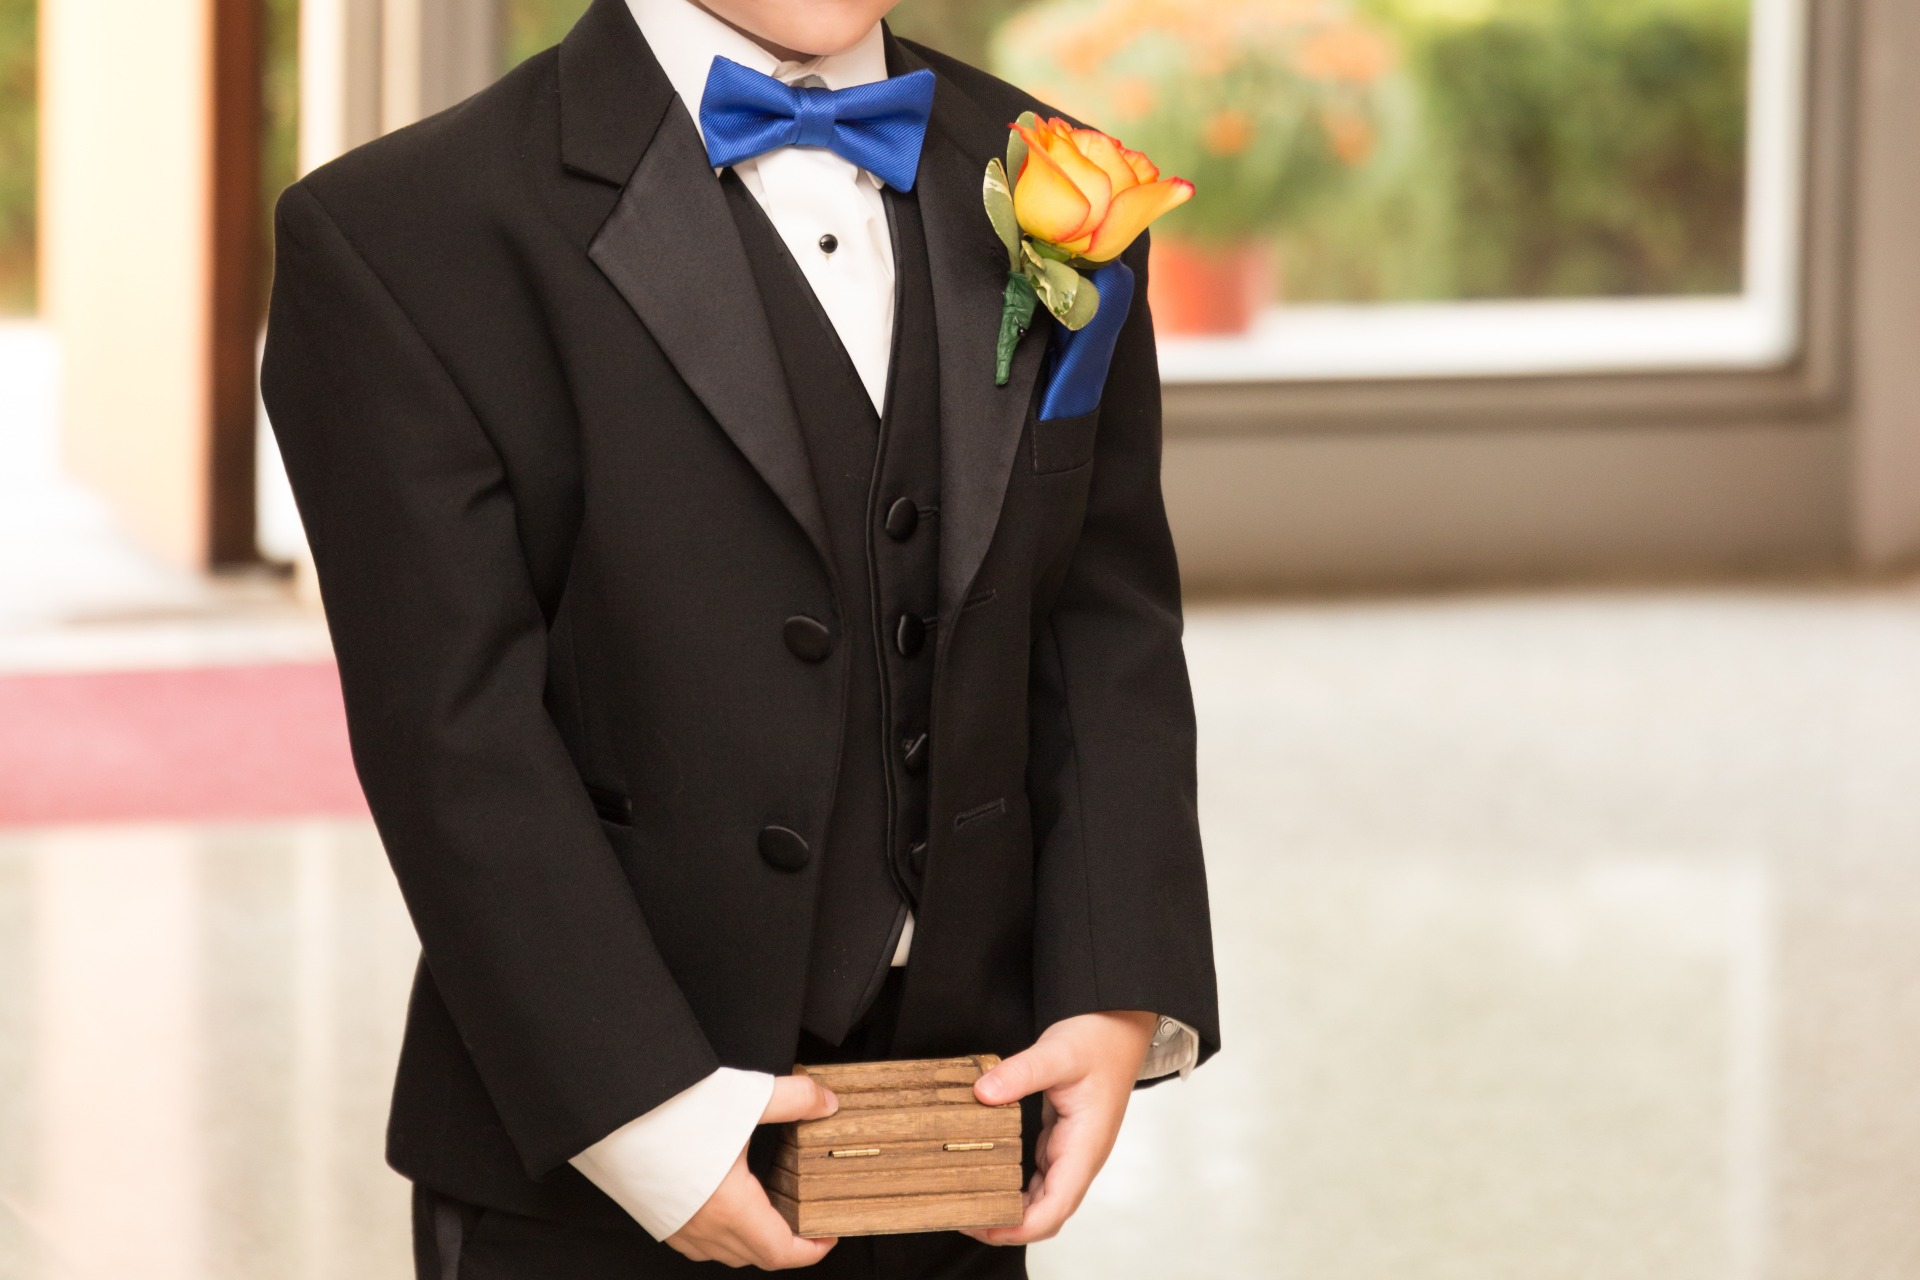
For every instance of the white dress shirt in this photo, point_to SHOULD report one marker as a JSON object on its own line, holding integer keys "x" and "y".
{"x": 664, "y": 1165}
{"x": 808, "y": 192}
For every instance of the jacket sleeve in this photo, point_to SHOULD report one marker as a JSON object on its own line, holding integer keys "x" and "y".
{"x": 528, "y": 924}
{"x": 1121, "y": 898}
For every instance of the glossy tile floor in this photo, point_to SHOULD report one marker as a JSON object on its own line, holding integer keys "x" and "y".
{"x": 1569, "y": 937}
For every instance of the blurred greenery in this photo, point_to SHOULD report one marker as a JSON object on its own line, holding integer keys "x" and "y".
{"x": 1546, "y": 148}
{"x": 1270, "y": 109}
{"x": 18, "y": 148}
{"x": 963, "y": 28}
{"x": 533, "y": 25}
{"x": 1564, "y": 148}
{"x": 280, "y": 123}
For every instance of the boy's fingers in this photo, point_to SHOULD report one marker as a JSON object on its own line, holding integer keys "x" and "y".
{"x": 754, "y": 1234}
{"x": 798, "y": 1252}
{"x": 770, "y": 1242}
{"x": 1053, "y": 1194}
{"x": 1041, "y": 1067}
{"x": 1035, "y": 1191}
{"x": 798, "y": 1098}
{"x": 1047, "y": 1212}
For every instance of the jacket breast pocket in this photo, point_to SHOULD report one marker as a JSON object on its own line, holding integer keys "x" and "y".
{"x": 614, "y": 807}
{"x": 1062, "y": 444}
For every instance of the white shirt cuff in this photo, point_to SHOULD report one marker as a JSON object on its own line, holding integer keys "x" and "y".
{"x": 663, "y": 1166}
{"x": 1175, "y": 1048}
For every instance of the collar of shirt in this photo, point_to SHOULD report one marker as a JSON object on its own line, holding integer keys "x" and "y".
{"x": 686, "y": 39}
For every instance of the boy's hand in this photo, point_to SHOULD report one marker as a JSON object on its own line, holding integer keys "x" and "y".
{"x": 738, "y": 1225}
{"x": 1087, "y": 1067}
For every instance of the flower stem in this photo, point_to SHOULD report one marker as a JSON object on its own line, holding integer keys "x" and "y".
{"x": 1015, "y": 315}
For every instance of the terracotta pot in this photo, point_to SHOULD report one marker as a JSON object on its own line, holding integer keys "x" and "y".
{"x": 1209, "y": 289}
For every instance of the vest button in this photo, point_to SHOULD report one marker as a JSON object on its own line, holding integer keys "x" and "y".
{"x": 808, "y": 638}
{"x": 903, "y": 517}
{"x": 784, "y": 849}
{"x": 917, "y": 857}
{"x": 913, "y": 753}
{"x": 909, "y": 635}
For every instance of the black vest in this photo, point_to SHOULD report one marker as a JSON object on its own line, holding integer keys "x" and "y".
{"x": 879, "y": 483}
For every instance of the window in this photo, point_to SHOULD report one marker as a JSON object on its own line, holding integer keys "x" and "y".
{"x": 1401, "y": 189}
{"x": 1420, "y": 188}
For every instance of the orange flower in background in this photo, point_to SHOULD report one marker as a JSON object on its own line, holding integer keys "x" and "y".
{"x": 1210, "y": 57}
{"x": 1085, "y": 193}
{"x": 1131, "y": 97}
{"x": 1351, "y": 53}
{"x": 1227, "y": 132}
{"x": 1270, "y": 104}
{"x": 1215, "y": 32}
{"x": 1119, "y": 24}
{"x": 1350, "y": 136}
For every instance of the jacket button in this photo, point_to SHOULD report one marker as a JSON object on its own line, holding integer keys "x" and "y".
{"x": 913, "y": 753}
{"x": 903, "y": 517}
{"x": 784, "y": 849}
{"x": 808, "y": 638}
{"x": 909, "y": 635}
{"x": 917, "y": 857}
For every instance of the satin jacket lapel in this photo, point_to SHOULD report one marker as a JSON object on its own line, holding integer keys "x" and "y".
{"x": 980, "y": 424}
{"x": 669, "y": 247}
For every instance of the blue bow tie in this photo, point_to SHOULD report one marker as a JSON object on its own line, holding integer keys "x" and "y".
{"x": 879, "y": 127}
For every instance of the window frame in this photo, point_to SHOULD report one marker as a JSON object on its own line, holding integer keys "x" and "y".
{"x": 1809, "y": 385}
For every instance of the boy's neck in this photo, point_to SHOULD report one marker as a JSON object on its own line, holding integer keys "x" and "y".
{"x": 779, "y": 51}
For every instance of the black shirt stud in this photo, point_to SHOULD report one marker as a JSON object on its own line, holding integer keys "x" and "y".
{"x": 829, "y": 242}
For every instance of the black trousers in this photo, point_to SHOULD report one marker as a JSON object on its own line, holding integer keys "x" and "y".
{"x": 453, "y": 1240}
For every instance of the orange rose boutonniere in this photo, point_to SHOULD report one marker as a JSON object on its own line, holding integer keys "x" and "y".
{"x": 1076, "y": 200}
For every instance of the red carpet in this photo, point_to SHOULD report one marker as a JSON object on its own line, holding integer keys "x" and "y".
{"x": 209, "y": 744}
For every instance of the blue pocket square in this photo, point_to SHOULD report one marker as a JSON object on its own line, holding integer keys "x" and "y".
{"x": 1078, "y": 359}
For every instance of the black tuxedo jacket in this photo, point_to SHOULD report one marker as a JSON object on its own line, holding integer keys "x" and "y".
{"x": 561, "y": 511}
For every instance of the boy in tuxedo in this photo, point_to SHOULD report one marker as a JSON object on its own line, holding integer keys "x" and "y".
{"x": 738, "y": 674}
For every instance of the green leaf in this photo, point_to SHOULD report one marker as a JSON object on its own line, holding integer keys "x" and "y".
{"x": 1086, "y": 303}
{"x": 999, "y": 198}
{"x": 1017, "y": 147}
{"x": 1034, "y": 272}
{"x": 1064, "y": 284}
{"x": 1061, "y": 288}
{"x": 1044, "y": 252}
{"x": 1016, "y": 313}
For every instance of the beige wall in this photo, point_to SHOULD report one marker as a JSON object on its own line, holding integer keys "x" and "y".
{"x": 371, "y": 66}
{"x": 1296, "y": 510}
{"x": 127, "y": 215}
{"x": 124, "y": 206}
{"x": 1887, "y": 323}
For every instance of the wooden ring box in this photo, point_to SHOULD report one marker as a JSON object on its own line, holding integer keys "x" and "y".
{"x": 910, "y": 1149}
